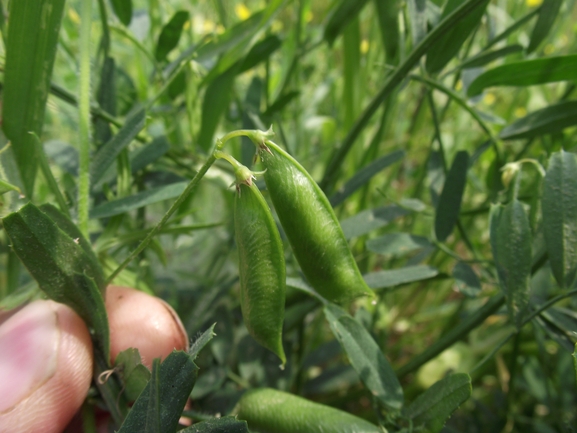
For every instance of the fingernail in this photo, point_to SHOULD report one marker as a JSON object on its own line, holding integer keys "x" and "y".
{"x": 29, "y": 342}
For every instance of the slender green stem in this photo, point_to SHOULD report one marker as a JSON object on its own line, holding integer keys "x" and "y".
{"x": 189, "y": 188}
{"x": 453, "y": 335}
{"x": 84, "y": 117}
{"x": 45, "y": 167}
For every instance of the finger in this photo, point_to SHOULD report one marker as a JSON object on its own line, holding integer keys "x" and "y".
{"x": 45, "y": 367}
{"x": 144, "y": 322}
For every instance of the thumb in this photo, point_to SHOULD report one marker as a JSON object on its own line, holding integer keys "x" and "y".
{"x": 45, "y": 367}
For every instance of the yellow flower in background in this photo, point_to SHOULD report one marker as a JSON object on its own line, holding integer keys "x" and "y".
{"x": 548, "y": 49}
{"x": 364, "y": 46}
{"x": 308, "y": 16}
{"x": 241, "y": 11}
{"x": 489, "y": 98}
{"x": 459, "y": 85}
{"x": 73, "y": 15}
{"x": 533, "y": 3}
{"x": 520, "y": 112}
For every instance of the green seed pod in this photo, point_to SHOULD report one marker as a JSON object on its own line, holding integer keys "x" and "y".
{"x": 311, "y": 226}
{"x": 270, "y": 411}
{"x": 261, "y": 268}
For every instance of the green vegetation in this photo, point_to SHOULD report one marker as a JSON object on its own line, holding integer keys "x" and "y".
{"x": 443, "y": 134}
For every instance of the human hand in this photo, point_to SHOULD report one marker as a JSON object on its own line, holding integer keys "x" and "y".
{"x": 46, "y": 358}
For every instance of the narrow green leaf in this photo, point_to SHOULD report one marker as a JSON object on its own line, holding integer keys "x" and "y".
{"x": 136, "y": 201}
{"x": 214, "y": 104}
{"x": 170, "y": 35}
{"x": 7, "y": 187}
{"x": 227, "y": 424}
{"x": 139, "y": 158}
{"x": 448, "y": 45}
{"x": 526, "y": 73}
{"x": 371, "y": 219}
{"x": 432, "y": 408}
{"x": 123, "y": 10}
{"x": 61, "y": 267}
{"x": 559, "y": 207}
{"x": 176, "y": 377}
{"x": 388, "y": 17}
{"x": 483, "y": 58}
{"x": 397, "y": 244}
{"x": 200, "y": 342}
{"x": 342, "y": 14}
{"x": 260, "y": 52}
{"x": 366, "y": 357}
{"x": 549, "y": 120}
{"x": 152, "y": 424}
{"x": 396, "y": 277}
{"x": 107, "y": 154}
{"x": 547, "y": 14}
{"x": 362, "y": 176}
{"x": 511, "y": 244}
{"x": 466, "y": 279}
{"x": 28, "y": 68}
{"x": 449, "y": 205}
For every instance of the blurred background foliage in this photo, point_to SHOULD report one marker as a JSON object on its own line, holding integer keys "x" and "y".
{"x": 311, "y": 69}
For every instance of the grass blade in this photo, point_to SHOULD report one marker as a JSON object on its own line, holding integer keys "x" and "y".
{"x": 29, "y": 61}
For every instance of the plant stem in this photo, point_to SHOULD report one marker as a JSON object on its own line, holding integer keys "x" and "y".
{"x": 189, "y": 188}
{"x": 84, "y": 118}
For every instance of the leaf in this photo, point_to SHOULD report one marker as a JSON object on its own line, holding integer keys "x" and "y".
{"x": 396, "y": 277}
{"x": 511, "y": 245}
{"x": 170, "y": 389}
{"x": 547, "y": 13}
{"x": 134, "y": 374}
{"x": 28, "y": 68}
{"x": 366, "y": 357}
{"x": 388, "y": 18}
{"x": 136, "y": 201}
{"x": 214, "y": 104}
{"x": 364, "y": 175}
{"x": 67, "y": 226}
{"x": 109, "y": 151}
{"x": 371, "y": 219}
{"x": 342, "y": 14}
{"x": 170, "y": 35}
{"x": 152, "y": 424}
{"x": 123, "y": 10}
{"x": 139, "y": 159}
{"x": 449, "y": 206}
{"x": 485, "y": 57}
{"x": 200, "y": 342}
{"x": 7, "y": 187}
{"x": 448, "y": 45}
{"x": 466, "y": 279}
{"x": 526, "y": 73}
{"x": 433, "y": 407}
{"x": 575, "y": 360}
{"x": 549, "y": 120}
{"x": 559, "y": 207}
{"x": 227, "y": 424}
{"x": 61, "y": 266}
{"x": 260, "y": 52}
{"x": 397, "y": 244}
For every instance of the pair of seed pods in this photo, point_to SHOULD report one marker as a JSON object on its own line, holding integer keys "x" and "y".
{"x": 312, "y": 229}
